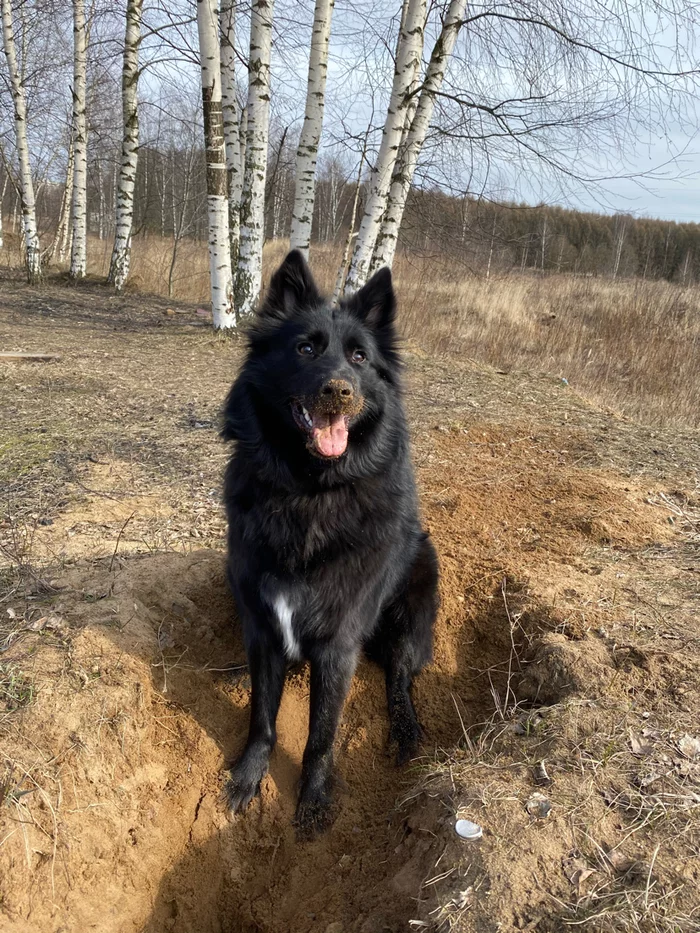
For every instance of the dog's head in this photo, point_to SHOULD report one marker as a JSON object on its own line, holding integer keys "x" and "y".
{"x": 320, "y": 376}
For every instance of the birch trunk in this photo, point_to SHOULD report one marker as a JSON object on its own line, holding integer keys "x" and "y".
{"x": 58, "y": 244}
{"x": 307, "y": 153}
{"x": 387, "y": 239}
{"x": 340, "y": 281}
{"x": 124, "y": 214}
{"x": 2, "y": 200}
{"x": 249, "y": 271}
{"x": 408, "y": 60}
{"x": 232, "y": 125}
{"x": 63, "y": 234}
{"x": 78, "y": 259}
{"x": 32, "y": 254}
{"x": 222, "y": 307}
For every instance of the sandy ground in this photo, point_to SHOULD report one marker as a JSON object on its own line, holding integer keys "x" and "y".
{"x": 569, "y": 543}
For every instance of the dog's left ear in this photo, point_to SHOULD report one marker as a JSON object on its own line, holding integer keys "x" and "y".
{"x": 291, "y": 287}
{"x": 375, "y": 302}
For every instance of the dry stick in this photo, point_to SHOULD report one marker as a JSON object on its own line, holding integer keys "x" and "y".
{"x": 651, "y": 868}
{"x": 119, "y": 537}
{"x": 33, "y": 357}
{"x": 509, "y": 690}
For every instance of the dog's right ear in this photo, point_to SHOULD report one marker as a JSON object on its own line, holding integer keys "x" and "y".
{"x": 291, "y": 287}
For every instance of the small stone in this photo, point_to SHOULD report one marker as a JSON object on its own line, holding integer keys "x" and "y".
{"x": 538, "y": 806}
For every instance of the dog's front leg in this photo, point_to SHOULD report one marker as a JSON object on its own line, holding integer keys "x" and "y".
{"x": 267, "y": 667}
{"x": 332, "y": 669}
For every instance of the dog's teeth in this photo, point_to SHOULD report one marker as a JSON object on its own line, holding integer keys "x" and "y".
{"x": 307, "y": 417}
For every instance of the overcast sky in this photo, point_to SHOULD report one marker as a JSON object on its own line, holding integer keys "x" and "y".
{"x": 664, "y": 154}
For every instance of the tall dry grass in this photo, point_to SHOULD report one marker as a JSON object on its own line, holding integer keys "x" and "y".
{"x": 631, "y": 344}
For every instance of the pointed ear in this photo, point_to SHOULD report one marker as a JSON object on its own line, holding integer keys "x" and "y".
{"x": 375, "y": 302}
{"x": 291, "y": 287}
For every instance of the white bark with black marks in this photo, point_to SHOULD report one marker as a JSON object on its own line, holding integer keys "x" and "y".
{"x": 307, "y": 153}
{"x": 232, "y": 125}
{"x": 408, "y": 60}
{"x": 32, "y": 253}
{"x": 121, "y": 253}
{"x": 222, "y": 307}
{"x": 385, "y": 247}
{"x": 63, "y": 232}
{"x": 78, "y": 259}
{"x": 249, "y": 272}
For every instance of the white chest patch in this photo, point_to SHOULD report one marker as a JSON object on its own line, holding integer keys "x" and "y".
{"x": 284, "y": 613}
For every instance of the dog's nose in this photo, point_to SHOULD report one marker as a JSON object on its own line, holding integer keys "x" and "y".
{"x": 340, "y": 389}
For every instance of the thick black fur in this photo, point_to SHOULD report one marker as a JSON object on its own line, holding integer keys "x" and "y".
{"x": 339, "y": 540}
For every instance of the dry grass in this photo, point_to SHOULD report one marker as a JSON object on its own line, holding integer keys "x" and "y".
{"x": 632, "y": 345}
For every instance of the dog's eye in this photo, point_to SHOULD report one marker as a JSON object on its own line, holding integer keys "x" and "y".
{"x": 358, "y": 356}
{"x": 305, "y": 349}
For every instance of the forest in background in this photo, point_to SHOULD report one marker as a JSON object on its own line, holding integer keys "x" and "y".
{"x": 486, "y": 237}
{"x": 424, "y": 129}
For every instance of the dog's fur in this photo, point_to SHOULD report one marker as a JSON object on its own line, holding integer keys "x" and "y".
{"x": 326, "y": 551}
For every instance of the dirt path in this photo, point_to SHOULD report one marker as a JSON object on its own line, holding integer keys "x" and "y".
{"x": 122, "y": 694}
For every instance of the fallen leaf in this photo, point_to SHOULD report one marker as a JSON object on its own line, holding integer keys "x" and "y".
{"x": 647, "y": 778}
{"x": 540, "y": 775}
{"x": 639, "y": 746}
{"x": 577, "y": 870}
{"x": 619, "y": 862}
{"x": 689, "y": 745}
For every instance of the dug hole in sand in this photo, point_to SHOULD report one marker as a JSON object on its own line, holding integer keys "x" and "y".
{"x": 112, "y": 819}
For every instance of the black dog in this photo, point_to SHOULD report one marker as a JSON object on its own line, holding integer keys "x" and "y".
{"x": 326, "y": 551}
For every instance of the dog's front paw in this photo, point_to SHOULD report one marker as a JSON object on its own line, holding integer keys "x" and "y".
{"x": 405, "y": 734}
{"x": 243, "y": 784}
{"x": 315, "y": 812}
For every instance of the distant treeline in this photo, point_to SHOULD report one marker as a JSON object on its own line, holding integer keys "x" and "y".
{"x": 486, "y": 237}
{"x": 501, "y": 237}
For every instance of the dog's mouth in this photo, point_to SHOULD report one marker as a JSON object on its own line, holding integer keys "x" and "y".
{"x": 326, "y": 432}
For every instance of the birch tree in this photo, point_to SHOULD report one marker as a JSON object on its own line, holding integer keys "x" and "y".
{"x": 32, "y": 254}
{"x": 232, "y": 125}
{"x": 217, "y": 201}
{"x": 307, "y": 153}
{"x": 385, "y": 247}
{"x": 408, "y": 61}
{"x": 121, "y": 254}
{"x": 78, "y": 259}
{"x": 249, "y": 271}
{"x": 2, "y": 198}
{"x": 60, "y": 240}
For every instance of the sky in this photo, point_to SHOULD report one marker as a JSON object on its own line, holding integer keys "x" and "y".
{"x": 655, "y": 173}
{"x": 672, "y": 192}
{"x": 667, "y": 199}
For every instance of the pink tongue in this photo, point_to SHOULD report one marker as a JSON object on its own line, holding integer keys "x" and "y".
{"x": 330, "y": 434}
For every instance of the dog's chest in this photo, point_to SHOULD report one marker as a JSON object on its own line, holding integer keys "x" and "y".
{"x": 284, "y": 616}
{"x": 303, "y": 531}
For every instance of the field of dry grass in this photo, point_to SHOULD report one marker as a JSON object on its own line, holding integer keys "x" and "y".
{"x": 632, "y": 345}
{"x": 569, "y": 543}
